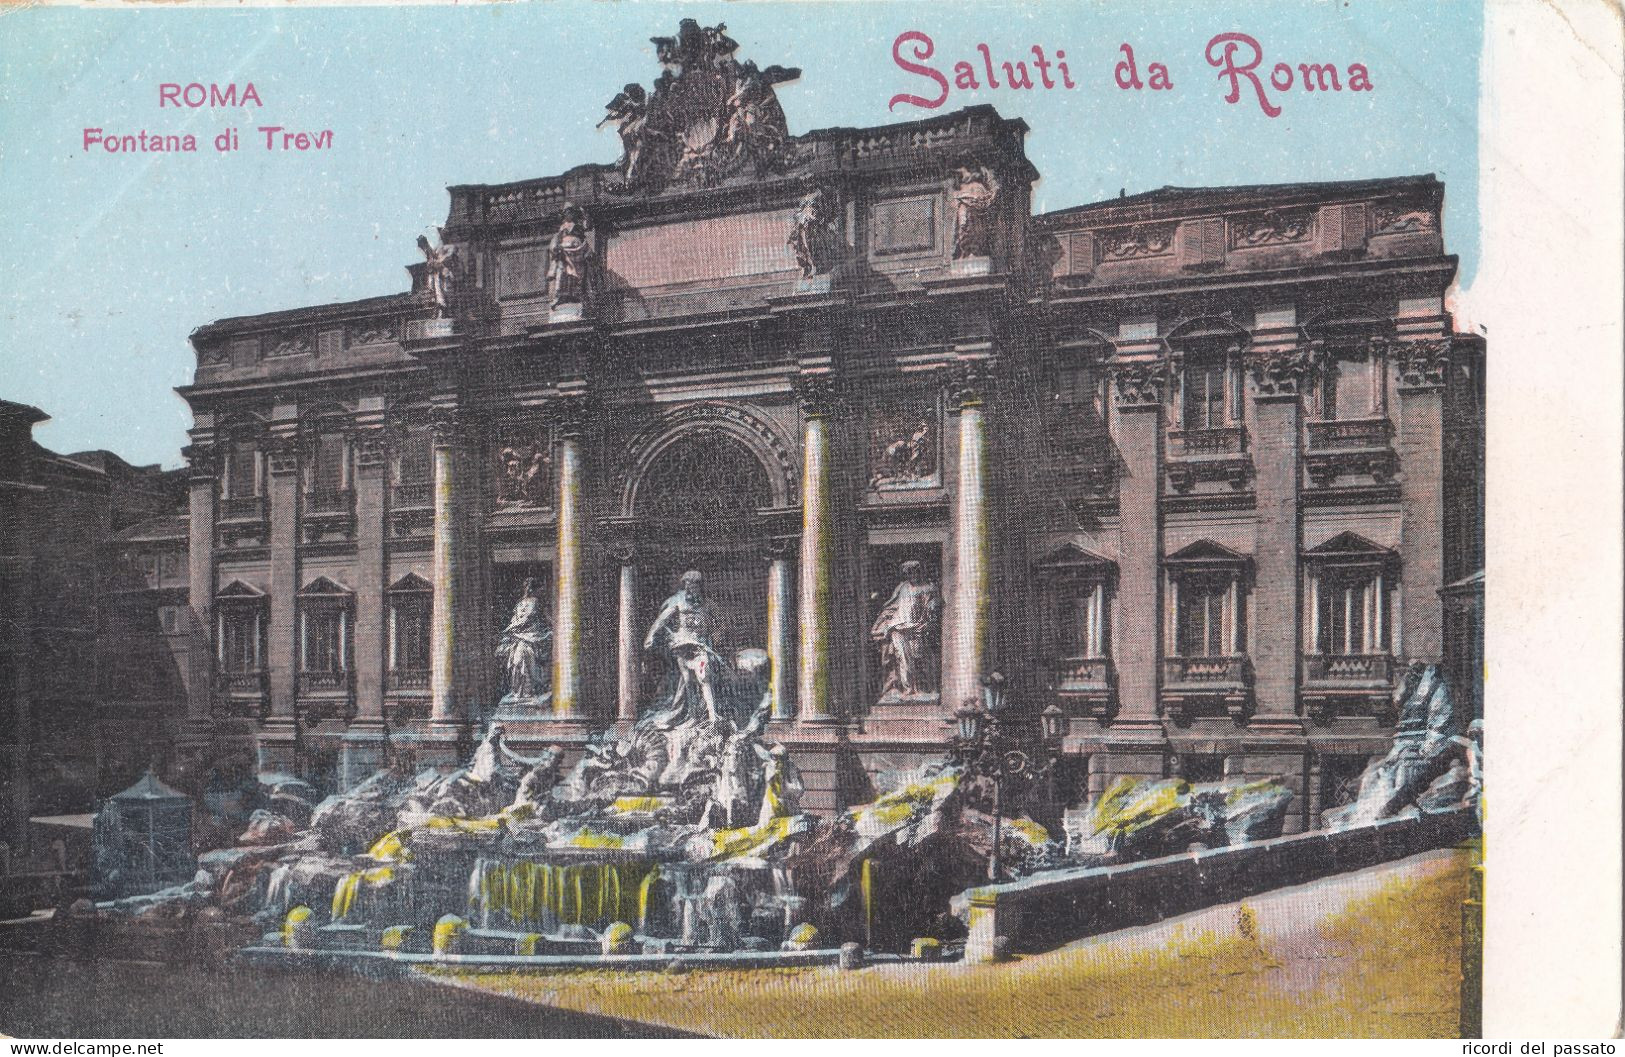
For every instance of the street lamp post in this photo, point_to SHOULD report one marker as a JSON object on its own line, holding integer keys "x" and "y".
{"x": 987, "y": 745}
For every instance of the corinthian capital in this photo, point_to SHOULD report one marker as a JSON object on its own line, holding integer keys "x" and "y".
{"x": 282, "y": 454}
{"x": 1139, "y": 383}
{"x": 445, "y": 426}
{"x": 1283, "y": 372}
{"x": 970, "y": 382}
{"x": 369, "y": 448}
{"x": 821, "y": 395}
{"x": 1422, "y": 364}
{"x": 202, "y": 460}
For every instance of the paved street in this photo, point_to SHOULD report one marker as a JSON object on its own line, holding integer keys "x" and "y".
{"x": 45, "y": 998}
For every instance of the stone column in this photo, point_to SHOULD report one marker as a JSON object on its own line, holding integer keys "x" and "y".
{"x": 363, "y": 740}
{"x": 568, "y": 617}
{"x": 628, "y": 642}
{"x": 1278, "y": 376}
{"x": 282, "y": 653}
{"x": 1139, "y": 386}
{"x": 817, "y": 552}
{"x": 444, "y": 708}
{"x": 778, "y": 631}
{"x": 201, "y": 665}
{"x": 966, "y": 625}
{"x": 1423, "y": 368}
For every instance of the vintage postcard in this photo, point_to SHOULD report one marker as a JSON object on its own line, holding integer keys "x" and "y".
{"x": 811, "y": 520}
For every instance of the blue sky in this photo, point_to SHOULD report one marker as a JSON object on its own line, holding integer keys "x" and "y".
{"x": 116, "y": 258}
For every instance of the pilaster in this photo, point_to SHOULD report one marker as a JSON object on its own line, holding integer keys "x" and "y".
{"x": 445, "y": 710}
{"x": 276, "y": 748}
{"x": 203, "y": 475}
{"x": 1138, "y": 389}
{"x": 363, "y": 739}
{"x": 1279, "y": 375}
{"x": 1423, "y": 370}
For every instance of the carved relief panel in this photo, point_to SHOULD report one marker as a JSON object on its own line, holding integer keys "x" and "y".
{"x": 904, "y": 443}
{"x": 521, "y": 456}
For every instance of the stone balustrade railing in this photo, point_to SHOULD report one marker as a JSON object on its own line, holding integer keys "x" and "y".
{"x": 1054, "y": 907}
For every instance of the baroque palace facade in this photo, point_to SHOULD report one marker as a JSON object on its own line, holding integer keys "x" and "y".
{"x": 1193, "y": 465}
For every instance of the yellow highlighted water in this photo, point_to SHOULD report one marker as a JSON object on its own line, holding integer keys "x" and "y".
{"x": 349, "y": 888}
{"x": 636, "y": 804}
{"x": 728, "y": 843}
{"x": 867, "y": 883}
{"x": 580, "y": 894}
{"x": 644, "y": 888}
{"x": 392, "y": 847}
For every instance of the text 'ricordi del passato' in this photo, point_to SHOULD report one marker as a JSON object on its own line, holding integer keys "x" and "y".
{"x": 276, "y": 138}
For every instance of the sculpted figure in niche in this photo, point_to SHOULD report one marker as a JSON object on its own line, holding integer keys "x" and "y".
{"x": 526, "y": 647}
{"x": 684, "y": 631}
{"x": 438, "y": 272}
{"x": 975, "y": 192}
{"x": 906, "y": 630}
{"x": 569, "y": 257}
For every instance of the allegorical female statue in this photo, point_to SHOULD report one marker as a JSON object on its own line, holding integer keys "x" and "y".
{"x": 526, "y": 648}
{"x": 439, "y": 264}
{"x": 974, "y": 193}
{"x": 569, "y": 256}
{"x": 906, "y": 630}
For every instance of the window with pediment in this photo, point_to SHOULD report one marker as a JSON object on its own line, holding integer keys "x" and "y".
{"x": 325, "y": 611}
{"x": 411, "y": 602}
{"x": 1207, "y": 601}
{"x": 1351, "y": 586}
{"x": 240, "y": 629}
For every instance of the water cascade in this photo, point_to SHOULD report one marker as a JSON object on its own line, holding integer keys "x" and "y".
{"x": 543, "y": 897}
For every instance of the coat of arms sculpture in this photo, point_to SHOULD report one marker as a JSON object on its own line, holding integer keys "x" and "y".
{"x": 710, "y": 116}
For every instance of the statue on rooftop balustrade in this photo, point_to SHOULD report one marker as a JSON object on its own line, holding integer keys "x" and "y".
{"x": 438, "y": 271}
{"x": 708, "y": 116}
{"x": 975, "y": 192}
{"x": 569, "y": 258}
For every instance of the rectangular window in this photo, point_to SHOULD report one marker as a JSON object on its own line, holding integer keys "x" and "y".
{"x": 1080, "y": 620}
{"x": 239, "y": 643}
{"x": 1351, "y": 613}
{"x": 242, "y": 470}
{"x": 409, "y": 633}
{"x": 1350, "y": 389}
{"x": 324, "y": 645}
{"x": 1204, "y": 405}
{"x": 1204, "y": 615}
{"x": 414, "y": 459}
{"x": 331, "y": 472}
